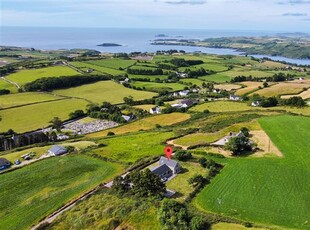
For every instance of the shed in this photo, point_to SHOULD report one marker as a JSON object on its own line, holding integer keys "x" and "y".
{"x": 57, "y": 150}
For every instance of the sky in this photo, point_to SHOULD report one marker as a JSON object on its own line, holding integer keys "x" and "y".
{"x": 265, "y": 15}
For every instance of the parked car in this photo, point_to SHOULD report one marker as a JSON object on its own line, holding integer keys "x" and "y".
{"x": 17, "y": 162}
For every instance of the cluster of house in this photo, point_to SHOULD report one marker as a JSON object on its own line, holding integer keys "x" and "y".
{"x": 166, "y": 168}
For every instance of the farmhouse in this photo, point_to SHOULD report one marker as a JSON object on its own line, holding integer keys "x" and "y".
{"x": 155, "y": 110}
{"x": 166, "y": 168}
{"x": 225, "y": 139}
{"x": 4, "y": 164}
{"x": 184, "y": 93}
{"x": 255, "y": 103}
{"x": 57, "y": 150}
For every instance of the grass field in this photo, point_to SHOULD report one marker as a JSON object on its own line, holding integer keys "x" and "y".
{"x": 281, "y": 89}
{"x": 145, "y": 124}
{"x": 279, "y": 193}
{"x": 132, "y": 147}
{"x": 113, "y": 63}
{"x": 223, "y": 106}
{"x": 247, "y": 72}
{"x": 194, "y": 81}
{"x": 218, "y": 78}
{"x": 156, "y": 87}
{"x": 230, "y": 226}
{"x": 104, "y": 207}
{"x": 304, "y": 95}
{"x": 151, "y": 77}
{"x": 104, "y": 91}
{"x": 23, "y": 76}
{"x": 84, "y": 66}
{"x": 250, "y": 86}
{"x": 6, "y": 85}
{"x": 18, "y": 99}
{"x": 29, "y": 195}
{"x": 36, "y": 116}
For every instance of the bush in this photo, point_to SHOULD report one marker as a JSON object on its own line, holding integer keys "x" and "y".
{"x": 183, "y": 155}
{"x": 110, "y": 134}
{"x": 199, "y": 223}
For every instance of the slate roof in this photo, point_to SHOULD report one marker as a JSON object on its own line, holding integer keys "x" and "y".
{"x": 170, "y": 163}
{"x": 57, "y": 150}
{"x": 4, "y": 162}
{"x": 161, "y": 169}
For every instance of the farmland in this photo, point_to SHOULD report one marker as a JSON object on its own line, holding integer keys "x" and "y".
{"x": 31, "y": 196}
{"x": 24, "y": 76}
{"x": 262, "y": 194}
{"x": 36, "y": 116}
{"x": 223, "y": 106}
{"x": 145, "y": 124}
{"x": 156, "y": 87}
{"x": 128, "y": 148}
{"x": 104, "y": 91}
{"x": 7, "y": 101}
{"x": 6, "y": 85}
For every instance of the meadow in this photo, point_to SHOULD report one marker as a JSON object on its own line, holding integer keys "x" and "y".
{"x": 36, "y": 116}
{"x": 218, "y": 78}
{"x": 151, "y": 77}
{"x": 132, "y": 147}
{"x": 156, "y": 87}
{"x": 145, "y": 124}
{"x": 24, "y": 76}
{"x": 227, "y": 87}
{"x": 113, "y": 63}
{"x": 104, "y": 91}
{"x": 305, "y": 95}
{"x": 193, "y": 81}
{"x": 282, "y": 88}
{"x": 6, "y": 85}
{"x": 249, "y": 87}
{"x": 29, "y": 195}
{"x": 7, "y": 101}
{"x": 279, "y": 193}
{"x": 223, "y": 106}
{"x": 84, "y": 66}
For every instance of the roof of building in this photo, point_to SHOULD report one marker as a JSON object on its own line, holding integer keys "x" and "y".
{"x": 159, "y": 170}
{"x": 170, "y": 163}
{"x": 4, "y": 162}
{"x": 57, "y": 149}
{"x": 187, "y": 102}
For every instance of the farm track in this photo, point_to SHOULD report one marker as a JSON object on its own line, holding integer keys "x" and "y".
{"x": 74, "y": 68}
{"x": 11, "y": 82}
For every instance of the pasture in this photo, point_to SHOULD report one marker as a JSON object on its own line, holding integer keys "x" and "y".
{"x": 7, "y": 101}
{"x": 223, "y": 106}
{"x": 104, "y": 91}
{"x": 157, "y": 87}
{"x": 132, "y": 147}
{"x": 218, "y": 78}
{"x": 6, "y": 85}
{"x": 227, "y": 87}
{"x": 113, "y": 63}
{"x": 279, "y": 193}
{"x": 303, "y": 95}
{"x": 29, "y": 195}
{"x": 24, "y": 76}
{"x": 193, "y": 81}
{"x": 145, "y": 124}
{"x": 249, "y": 87}
{"x": 36, "y": 116}
{"x": 151, "y": 77}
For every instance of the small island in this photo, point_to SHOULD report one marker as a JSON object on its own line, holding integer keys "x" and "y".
{"x": 109, "y": 44}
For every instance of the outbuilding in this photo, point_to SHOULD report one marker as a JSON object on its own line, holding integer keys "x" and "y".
{"x": 57, "y": 150}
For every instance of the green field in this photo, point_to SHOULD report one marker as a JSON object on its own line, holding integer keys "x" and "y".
{"x": 132, "y": 147}
{"x": 84, "y": 66}
{"x": 223, "y": 106}
{"x": 6, "y": 85}
{"x": 194, "y": 81}
{"x": 10, "y": 100}
{"x": 24, "y": 76}
{"x": 37, "y": 190}
{"x": 156, "y": 87}
{"x": 36, "y": 116}
{"x": 151, "y": 77}
{"x": 104, "y": 91}
{"x": 113, "y": 63}
{"x": 271, "y": 191}
{"x": 218, "y": 78}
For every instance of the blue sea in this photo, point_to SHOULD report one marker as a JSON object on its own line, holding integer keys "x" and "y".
{"x": 48, "y": 38}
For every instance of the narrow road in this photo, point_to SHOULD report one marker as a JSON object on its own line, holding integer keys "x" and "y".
{"x": 176, "y": 145}
{"x": 11, "y": 82}
{"x": 73, "y": 67}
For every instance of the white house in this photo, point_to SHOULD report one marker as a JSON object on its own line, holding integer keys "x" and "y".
{"x": 255, "y": 103}
{"x": 155, "y": 110}
{"x": 234, "y": 98}
{"x": 184, "y": 93}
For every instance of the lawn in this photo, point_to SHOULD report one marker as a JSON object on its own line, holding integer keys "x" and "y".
{"x": 145, "y": 124}
{"x": 18, "y": 99}
{"x": 156, "y": 87}
{"x": 24, "y": 76}
{"x": 104, "y": 91}
{"x": 282, "y": 88}
{"x": 36, "y": 116}
{"x": 132, "y": 147}
{"x": 270, "y": 191}
{"x": 6, "y": 85}
{"x": 180, "y": 182}
{"x": 29, "y": 195}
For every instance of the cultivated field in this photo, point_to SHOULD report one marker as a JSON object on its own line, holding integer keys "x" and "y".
{"x": 304, "y": 95}
{"x": 282, "y": 88}
{"x": 32, "y": 117}
{"x": 29, "y": 195}
{"x": 218, "y": 78}
{"x": 6, "y": 85}
{"x": 84, "y": 66}
{"x": 104, "y": 91}
{"x": 277, "y": 195}
{"x": 23, "y": 76}
{"x": 250, "y": 86}
{"x": 223, "y": 106}
{"x": 227, "y": 87}
{"x": 19, "y": 99}
{"x": 145, "y": 124}
{"x": 113, "y": 63}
